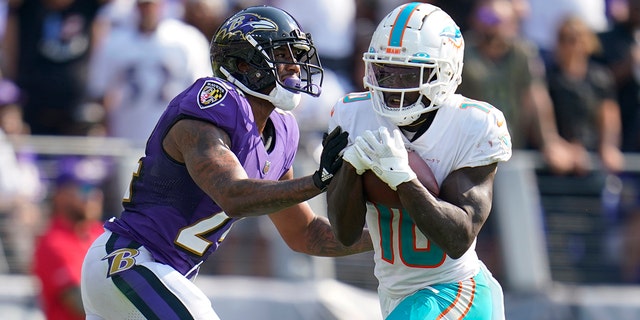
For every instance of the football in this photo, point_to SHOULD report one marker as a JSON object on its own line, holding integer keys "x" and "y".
{"x": 378, "y": 191}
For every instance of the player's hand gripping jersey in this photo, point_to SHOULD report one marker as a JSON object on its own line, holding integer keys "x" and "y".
{"x": 165, "y": 211}
{"x": 464, "y": 133}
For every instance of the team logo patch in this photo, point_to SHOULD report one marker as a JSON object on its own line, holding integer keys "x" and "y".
{"x": 211, "y": 94}
{"x": 453, "y": 34}
{"x": 245, "y": 24}
{"x": 121, "y": 260}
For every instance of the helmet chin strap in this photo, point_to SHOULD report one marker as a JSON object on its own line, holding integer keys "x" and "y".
{"x": 280, "y": 97}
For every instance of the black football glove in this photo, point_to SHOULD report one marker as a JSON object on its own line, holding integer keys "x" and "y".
{"x": 331, "y": 158}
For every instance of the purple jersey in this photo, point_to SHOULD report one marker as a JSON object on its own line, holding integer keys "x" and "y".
{"x": 165, "y": 210}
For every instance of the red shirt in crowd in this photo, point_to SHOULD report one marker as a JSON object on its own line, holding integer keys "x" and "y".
{"x": 58, "y": 258}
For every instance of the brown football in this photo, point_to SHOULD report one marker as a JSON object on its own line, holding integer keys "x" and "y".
{"x": 378, "y": 191}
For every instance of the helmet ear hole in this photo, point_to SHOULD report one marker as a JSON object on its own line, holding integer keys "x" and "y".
{"x": 243, "y": 67}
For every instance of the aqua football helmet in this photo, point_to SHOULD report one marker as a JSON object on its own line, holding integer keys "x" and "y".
{"x": 251, "y": 36}
{"x": 417, "y": 48}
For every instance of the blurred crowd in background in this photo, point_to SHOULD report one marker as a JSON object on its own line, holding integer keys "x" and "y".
{"x": 566, "y": 74}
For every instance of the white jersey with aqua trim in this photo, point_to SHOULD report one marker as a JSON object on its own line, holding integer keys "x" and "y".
{"x": 464, "y": 133}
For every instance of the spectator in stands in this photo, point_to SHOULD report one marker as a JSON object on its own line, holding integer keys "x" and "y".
{"x": 506, "y": 71}
{"x": 76, "y": 208}
{"x": 116, "y": 14}
{"x": 136, "y": 71}
{"x": 616, "y": 10}
{"x": 124, "y": 14}
{"x": 11, "y": 100}
{"x": 500, "y": 67}
{"x": 47, "y": 52}
{"x": 20, "y": 186}
{"x": 332, "y": 24}
{"x": 459, "y": 10}
{"x": 621, "y": 53}
{"x": 545, "y": 17}
{"x": 205, "y": 15}
{"x": 583, "y": 94}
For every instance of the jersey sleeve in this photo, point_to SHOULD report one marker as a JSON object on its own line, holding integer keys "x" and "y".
{"x": 486, "y": 133}
{"x": 346, "y": 110}
{"x": 291, "y": 133}
{"x": 214, "y": 101}
{"x": 334, "y": 116}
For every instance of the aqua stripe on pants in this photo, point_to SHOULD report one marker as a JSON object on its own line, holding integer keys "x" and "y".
{"x": 468, "y": 299}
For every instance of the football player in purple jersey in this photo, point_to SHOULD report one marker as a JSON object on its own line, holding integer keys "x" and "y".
{"x": 223, "y": 150}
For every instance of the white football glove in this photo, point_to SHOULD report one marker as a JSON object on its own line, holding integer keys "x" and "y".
{"x": 351, "y": 155}
{"x": 386, "y": 156}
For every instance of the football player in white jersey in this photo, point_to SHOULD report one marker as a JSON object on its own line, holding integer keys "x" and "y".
{"x": 425, "y": 258}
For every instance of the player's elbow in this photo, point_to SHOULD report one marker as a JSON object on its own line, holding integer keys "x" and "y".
{"x": 238, "y": 207}
{"x": 346, "y": 231}
{"x": 299, "y": 247}
{"x": 455, "y": 254}
{"x": 458, "y": 248}
{"x": 343, "y": 235}
{"x": 347, "y": 224}
{"x": 347, "y": 238}
{"x": 235, "y": 212}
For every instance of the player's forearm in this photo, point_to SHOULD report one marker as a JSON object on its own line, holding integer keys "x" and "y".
{"x": 259, "y": 197}
{"x": 346, "y": 207}
{"x": 610, "y": 124}
{"x": 543, "y": 115}
{"x": 446, "y": 224}
{"x": 320, "y": 241}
